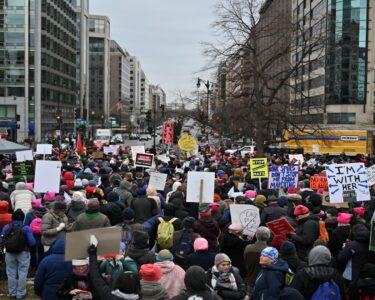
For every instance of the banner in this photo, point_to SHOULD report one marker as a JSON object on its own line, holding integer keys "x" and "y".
{"x": 246, "y": 215}
{"x": 144, "y": 160}
{"x": 157, "y": 181}
{"x": 168, "y": 133}
{"x": 280, "y": 226}
{"x": 258, "y": 168}
{"x": 194, "y": 187}
{"x": 371, "y": 175}
{"x": 347, "y": 183}
{"x": 319, "y": 182}
{"x": 24, "y": 155}
{"x": 280, "y": 177}
{"x": 47, "y": 176}
{"x": 23, "y": 169}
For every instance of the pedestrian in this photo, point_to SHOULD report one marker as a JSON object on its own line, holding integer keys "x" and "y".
{"x": 202, "y": 256}
{"x": 151, "y": 288}
{"x": 139, "y": 249}
{"x": 272, "y": 211}
{"x": 21, "y": 198}
{"x": 92, "y": 218}
{"x": 5, "y": 217}
{"x": 76, "y": 207}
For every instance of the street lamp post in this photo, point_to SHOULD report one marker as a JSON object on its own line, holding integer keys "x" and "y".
{"x": 207, "y": 85}
{"x": 92, "y": 124}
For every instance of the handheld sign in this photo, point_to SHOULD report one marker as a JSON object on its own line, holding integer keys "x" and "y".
{"x": 144, "y": 160}
{"x": 157, "y": 181}
{"x": 347, "y": 183}
{"x": 280, "y": 177}
{"x": 296, "y": 158}
{"x": 280, "y": 226}
{"x": 200, "y": 186}
{"x": 371, "y": 175}
{"x": 109, "y": 149}
{"x": 258, "y": 168}
{"x": 23, "y": 169}
{"x": 137, "y": 149}
{"x": 44, "y": 149}
{"x": 319, "y": 182}
{"x": 246, "y": 215}
{"x": 47, "y": 176}
{"x": 24, "y": 155}
{"x": 98, "y": 154}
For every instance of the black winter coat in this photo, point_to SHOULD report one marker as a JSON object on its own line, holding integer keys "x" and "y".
{"x": 113, "y": 211}
{"x": 144, "y": 208}
{"x": 203, "y": 258}
{"x": 208, "y": 229}
{"x": 271, "y": 213}
{"x": 337, "y": 239}
{"x": 308, "y": 279}
{"x": 141, "y": 256}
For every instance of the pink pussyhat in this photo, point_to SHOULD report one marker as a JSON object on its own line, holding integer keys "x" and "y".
{"x": 250, "y": 194}
{"x": 320, "y": 191}
{"x": 36, "y": 203}
{"x": 49, "y": 196}
{"x": 30, "y": 186}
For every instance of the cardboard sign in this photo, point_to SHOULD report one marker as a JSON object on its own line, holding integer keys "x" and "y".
{"x": 109, "y": 149}
{"x": 280, "y": 226}
{"x": 296, "y": 158}
{"x": 327, "y": 202}
{"x": 24, "y": 155}
{"x": 44, "y": 149}
{"x": 319, "y": 182}
{"x": 281, "y": 177}
{"x": 137, "y": 149}
{"x": 47, "y": 176}
{"x": 195, "y": 191}
{"x": 144, "y": 160}
{"x": 157, "y": 181}
{"x": 246, "y": 215}
{"x": 258, "y": 168}
{"x": 23, "y": 169}
{"x": 347, "y": 183}
{"x": 78, "y": 242}
{"x": 98, "y": 155}
{"x": 371, "y": 175}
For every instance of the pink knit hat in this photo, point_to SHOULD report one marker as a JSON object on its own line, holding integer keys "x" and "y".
{"x": 200, "y": 244}
{"x": 360, "y": 211}
{"x": 49, "y": 196}
{"x": 320, "y": 191}
{"x": 30, "y": 186}
{"x": 250, "y": 194}
{"x": 344, "y": 218}
{"x": 36, "y": 203}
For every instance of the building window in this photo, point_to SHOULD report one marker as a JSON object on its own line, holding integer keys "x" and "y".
{"x": 341, "y": 118}
{"x": 8, "y": 111}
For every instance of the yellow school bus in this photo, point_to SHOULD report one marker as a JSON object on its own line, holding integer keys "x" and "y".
{"x": 335, "y": 142}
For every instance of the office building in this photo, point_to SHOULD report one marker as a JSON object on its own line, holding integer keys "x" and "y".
{"x": 135, "y": 86}
{"x": 145, "y": 93}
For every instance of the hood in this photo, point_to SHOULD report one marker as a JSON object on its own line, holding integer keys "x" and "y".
{"x": 58, "y": 246}
{"x": 166, "y": 266}
{"x": 280, "y": 265}
{"x": 320, "y": 273}
{"x": 361, "y": 234}
{"x": 4, "y": 205}
{"x": 310, "y": 217}
{"x": 195, "y": 279}
{"x": 78, "y": 205}
{"x": 136, "y": 253}
{"x": 21, "y": 186}
{"x": 68, "y": 176}
{"x": 152, "y": 290}
{"x": 87, "y": 171}
{"x": 175, "y": 186}
{"x": 125, "y": 185}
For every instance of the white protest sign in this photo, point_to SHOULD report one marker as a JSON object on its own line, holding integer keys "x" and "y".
{"x": 137, "y": 149}
{"x": 44, "y": 149}
{"x": 109, "y": 149}
{"x": 233, "y": 194}
{"x": 297, "y": 158}
{"x": 280, "y": 177}
{"x": 347, "y": 183}
{"x": 246, "y": 215}
{"x": 194, "y": 186}
{"x": 24, "y": 155}
{"x": 164, "y": 158}
{"x": 371, "y": 175}
{"x": 157, "y": 181}
{"x": 47, "y": 176}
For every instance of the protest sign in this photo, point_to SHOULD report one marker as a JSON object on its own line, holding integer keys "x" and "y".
{"x": 44, "y": 149}
{"x": 164, "y": 158}
{"x": 24, "y": 155}
{"x": 296, "y": 158}
{"x": 280, "y": 226}
{"x": 78, "y": 242}
{"x": 371, "y": 175}
{"x": 47, "y": 176}
{"x": 98, "y": 154}
{"x": 109, "y": 149}
{"x": 280, "y": 177}
{"x": 233, "y": 194}
{"x": 144, "y": 160}
{"x": 23, "y": 169}
{"x": 319, "y": 182}
{"x": 246, "y": 215}
{"x": 137, "y": 149}
{"x": 200, "y": 187}
{"x": 157, "y": 181}
{"x": 168, "y": 133}
{"x": 187, "y": 142}
{"x": 258, "y": 168}
{"x": 326, "y": 202}
{"x": 347, "y": 183}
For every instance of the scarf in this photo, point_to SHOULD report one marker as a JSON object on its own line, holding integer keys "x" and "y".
{"x": 91, "y": 214}
{"x": 122, "y": 295}
{"x": 224, "y": 280}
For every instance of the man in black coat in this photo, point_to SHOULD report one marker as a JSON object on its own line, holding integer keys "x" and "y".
{"x": 272, "y": 212}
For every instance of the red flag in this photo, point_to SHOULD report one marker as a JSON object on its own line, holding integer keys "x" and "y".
{"x": 80, "y": 149}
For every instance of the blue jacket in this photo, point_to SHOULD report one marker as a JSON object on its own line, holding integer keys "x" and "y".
{"x": 270, "y": 281}
{"x": 28, "y": 233}
{"x": 51, "y": 272}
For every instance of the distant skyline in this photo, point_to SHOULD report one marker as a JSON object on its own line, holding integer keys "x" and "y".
{"x": 165, "y": 35}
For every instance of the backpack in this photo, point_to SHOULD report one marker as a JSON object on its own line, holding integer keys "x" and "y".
{"x": 183, "y": 247}
{"x": 165, "y": 233}
{"x": 289, "y": 275}
{"x": 14, "y": 240}
{"x": 36, "y": 226}
{"x": 328, "y": 291}
{"x": 323, "y": 233}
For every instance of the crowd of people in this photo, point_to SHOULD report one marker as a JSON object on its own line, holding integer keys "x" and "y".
{"x": 174, "y": 249}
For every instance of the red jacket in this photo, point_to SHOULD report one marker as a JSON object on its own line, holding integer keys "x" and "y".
{"x": 5, "y": 217}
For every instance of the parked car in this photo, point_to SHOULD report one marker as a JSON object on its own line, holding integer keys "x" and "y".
{"x": 243, "y": 150}
{"x": 133, "y": 136}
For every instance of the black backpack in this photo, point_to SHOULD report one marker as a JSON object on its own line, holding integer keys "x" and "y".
{"x": 183, "y": 247}
{"x": 14, "y": 240}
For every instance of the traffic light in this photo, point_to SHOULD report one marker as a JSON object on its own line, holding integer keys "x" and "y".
{"x": 162, "y": 107}
{"x": 148, "y": 116}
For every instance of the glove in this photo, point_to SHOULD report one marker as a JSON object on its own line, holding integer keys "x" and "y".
{"x": 92, "y": 250}
{"x": 60, "y": 227}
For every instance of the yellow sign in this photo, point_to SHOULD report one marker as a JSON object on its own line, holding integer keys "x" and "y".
{"x": 187, "y": 143}
{"x": 258, "y": 168}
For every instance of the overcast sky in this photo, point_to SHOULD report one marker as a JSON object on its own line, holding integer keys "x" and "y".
{"x": 165, "y": 35}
